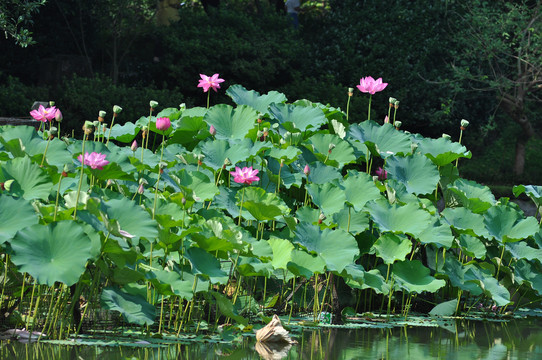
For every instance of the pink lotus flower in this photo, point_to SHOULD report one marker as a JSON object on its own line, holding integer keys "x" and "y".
{"x": 94, "y": 160}
{"x": 212, "y": 130}
{"x": 307, "y": 170}
{"x": 44, "y": 114}
{"x": 370, "y": 85}
{"x": 163, "y": 123}
{"x": 245, "y": 176}
{"x": 134, "y": 146}
{"x": 58, "y": 116}
{"x": 207, "y": 82}
{"x": 382, "y": 174}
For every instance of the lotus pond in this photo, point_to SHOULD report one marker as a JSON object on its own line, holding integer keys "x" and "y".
{"x": 206, "y": 221}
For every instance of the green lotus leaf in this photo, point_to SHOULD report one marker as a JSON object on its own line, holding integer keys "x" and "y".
{"x": 112, "y": 171}
{"x": 190, "y": 128}
{"x": 33, "y": 144}
{"x": 337, "y": 247}
{"x": 282, "y": 252}
{"x": 534, "y": 192}
{"x": 30, "y": 181}
{"x": 242, "y": 96}
{"x": 460, "y": 275}
{"x": 196, "y": 183}
{"x": 132, "y": 218}
{"x": 371, "y": 279}
{"x": 505, "y": 224}
{"x": 288, "y": 177}
{"x": 359, "y": 188}
{"x": 231, "y": 123}
{"x": 472, "y": 246}
{"x": 170, "y": 283}
{"x": 465, "y": 221}
{"x": 408, "y": 219}
{"x": 16, "y": 214}
{"x": 390, "y": 247}
{"x": 414, "y": 277}
{"x": 288, "y": 154}
{"x": 227, "y": 200}
{"x": 54, "y": 252}
{"x": 261, "y": 204}
{"x": 124, "y": 133}
{"x": 520, "y": 250}
{"x": 133, "y": 308}
{"x": 524, "y": 272}
{"x": 217, "y": 151}
{"x": 251, "y": 266}
{"x": 472, "y": 195}
{"x": 437, "y": 233}
{"x": 382, "y": 141}
{"x": 416, "y": 172}
{"x": 328, "y": 197}
{"x": 298, "y": 117}
{"x": 126, "y": 275}
{"x": 322, "y": 174}
{"x": 307, "y": 214}
{"x": 351, "y": 221}
{"x": 441, "y": 151}
{"x": 226, "y": 308}
{"x": 446, "y": 308}
{"x": 206, "y": 265}
{"x": 306, "y": 265}
{"x": 341, "y": 153}
{"x": 490, "y": 286}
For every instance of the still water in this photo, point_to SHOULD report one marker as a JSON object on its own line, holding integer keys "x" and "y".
{"x": 456, "y": 340}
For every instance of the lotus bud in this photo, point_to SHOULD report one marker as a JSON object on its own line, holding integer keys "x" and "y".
{"x": 58, "y": 116}
{"x": 307, "y": 170}
{"x": 212, "y": 130}
{"x": 259, "y": 121}
{"x": 331, "y": 147}
{"x": 398, "y": 124}
{"x": 140, "y": 189}
{"x": 386, "y": 120}
{"x": 446, "y": 136}
{"x": 153, "y": 104}
{"x": 350, "y": 91}
{"x": 134, "y": 146}
{"x": 464, "y": 124}
{"x": 116, "y": 109}
{"x": 183, "y": 201}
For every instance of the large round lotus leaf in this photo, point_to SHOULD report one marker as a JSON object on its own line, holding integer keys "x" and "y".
{"x": 206, "y": 264}
{"x": 288, "y": 177}
{"x": 372, "y": 279}
{"x": 282, "y": 252}
{"x": 124, "y": 133}
{"x": 217, "y": 151}
{"x": 132, "y": 307}
{"x": 520, "y": 250}
{"x": 337, "y": 247}
{"x": 227, "y": 200}
{"x": 473, "y": 247}
{"x": 298, "y": 117}
{"x": 306, "y": 265}
{"x": 261, "y": 204}
{"x": 437, "y": 233}
{"x": 359, "y": 188}
{"x": 489, "y": 285}
{"x": 16, "y": 214}
{"x": 460, "y": 275}
{"x": 472, "y": 195}
{"x": 390, "y": 247}
{"x": 408, "y": 219}
{"x": 534, "y": 192}
{"x": 328, "y": 197}
{"x": 231, "y": 123}
{"x": 54, "y": 252}
{"x": 226, "y": 308}
{"x": 341, "y": 153}
{"x": 382, "y": 141}
{"x": 441, "y": 151}
{"x": 30, "y": 181}
{"x": 416, "y": 172}
{"x": 170, "y": 283}
{"x": 195, "y": 183}
{"x": 505, "y": 224}
{"x": 524, "y": 272}
{"x": 321, "y": 174}
{"x": 446, "y": 308}
{"x": 414, "y": 277}
{"x": 189, "y": 129}
{"x": 132, "y": 218}
{"x": 242, "y": 96}
{"x": 33, "y": 144}
{"x": 464, "y": 220}
{"x": 352, "y": 221}
{"x": 287, "y": 154}
{"x": 251, "y": 266}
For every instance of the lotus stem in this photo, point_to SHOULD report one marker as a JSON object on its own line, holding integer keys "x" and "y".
{"x": 325, "y": 292}
{"x": 208, "y": 97}
{"x": 460, "y": 137}
{"x": 161, "y": 315}
{"x": 241, "y": 207}
{"x": 159, "y": 174}
{"x": 45, "y": 152}
{"x": 35, "y": 318}
{"x": 499, "y": 264}
{"x": 348, "y": 106}
{"x": 316, "y": 301}
{"x": 5, "y": 279}
{"x": 110, "y": 127}
{"x": 57, "y": 196}
{"x": 193, "y": 297}
{"x": 369, "y": 110}
{"x": 49, "y": 311}
{"x": 80, "y": 177}
{"x": 293, "y": 292}
{"x": 394, "y": 115}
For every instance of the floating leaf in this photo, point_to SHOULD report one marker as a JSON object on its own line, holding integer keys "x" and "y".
{"x": 133, "y": 308}
{"x": 51, "y": 253}
{"x": 416, "y": 172}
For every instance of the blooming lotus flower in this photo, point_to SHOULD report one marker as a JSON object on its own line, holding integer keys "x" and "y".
{"x": 94, "y": 160}
{"x": 370, "y": 85}
{"x": 163, "y": 123}
{"x": 207, "y": 82}
{"x": 245, "y": 176}
{"x": 382, "y": 174}
{"x": 44, "y": 114}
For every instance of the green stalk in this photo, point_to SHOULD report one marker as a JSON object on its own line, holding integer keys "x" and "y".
{"x": 45, "y": 152}
{"x": 49, "y": 311}
{"x": 499, "y": 264}
{"x": 159, "y": 174}
{"x": 110, "y": 127}
{"x": 208, "y": 96}
{"x": 348, "y": 106}
{"x": 394, "y": 115}
{"x": 30, "y": 307}
{"x": 80, "y": 178}
{"x": 241, "y": 208}
{"x": 315, "y": 303}
{"x": 35, "y": 318}
{"x": 460, "y": 137}
{"x": 57, "y": 195}
{"x": 5, "y": 279}
{"x": 161, "y": 315}
{"x": 369, "y": 111}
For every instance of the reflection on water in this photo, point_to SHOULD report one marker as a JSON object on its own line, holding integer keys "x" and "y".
{"x": 468, "y": 340}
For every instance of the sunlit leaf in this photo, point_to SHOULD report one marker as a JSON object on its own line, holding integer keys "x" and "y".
{"x": 16, "y": 214}
{"x": 416, "y": 172}
{"x": 231, "y": 123}
{"x": 242, "y": 96}
{"x": 414, "y": 277}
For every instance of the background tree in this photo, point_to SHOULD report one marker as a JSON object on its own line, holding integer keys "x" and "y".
{"x": 15, "y": 16}
{"x": 501, "y": 53}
